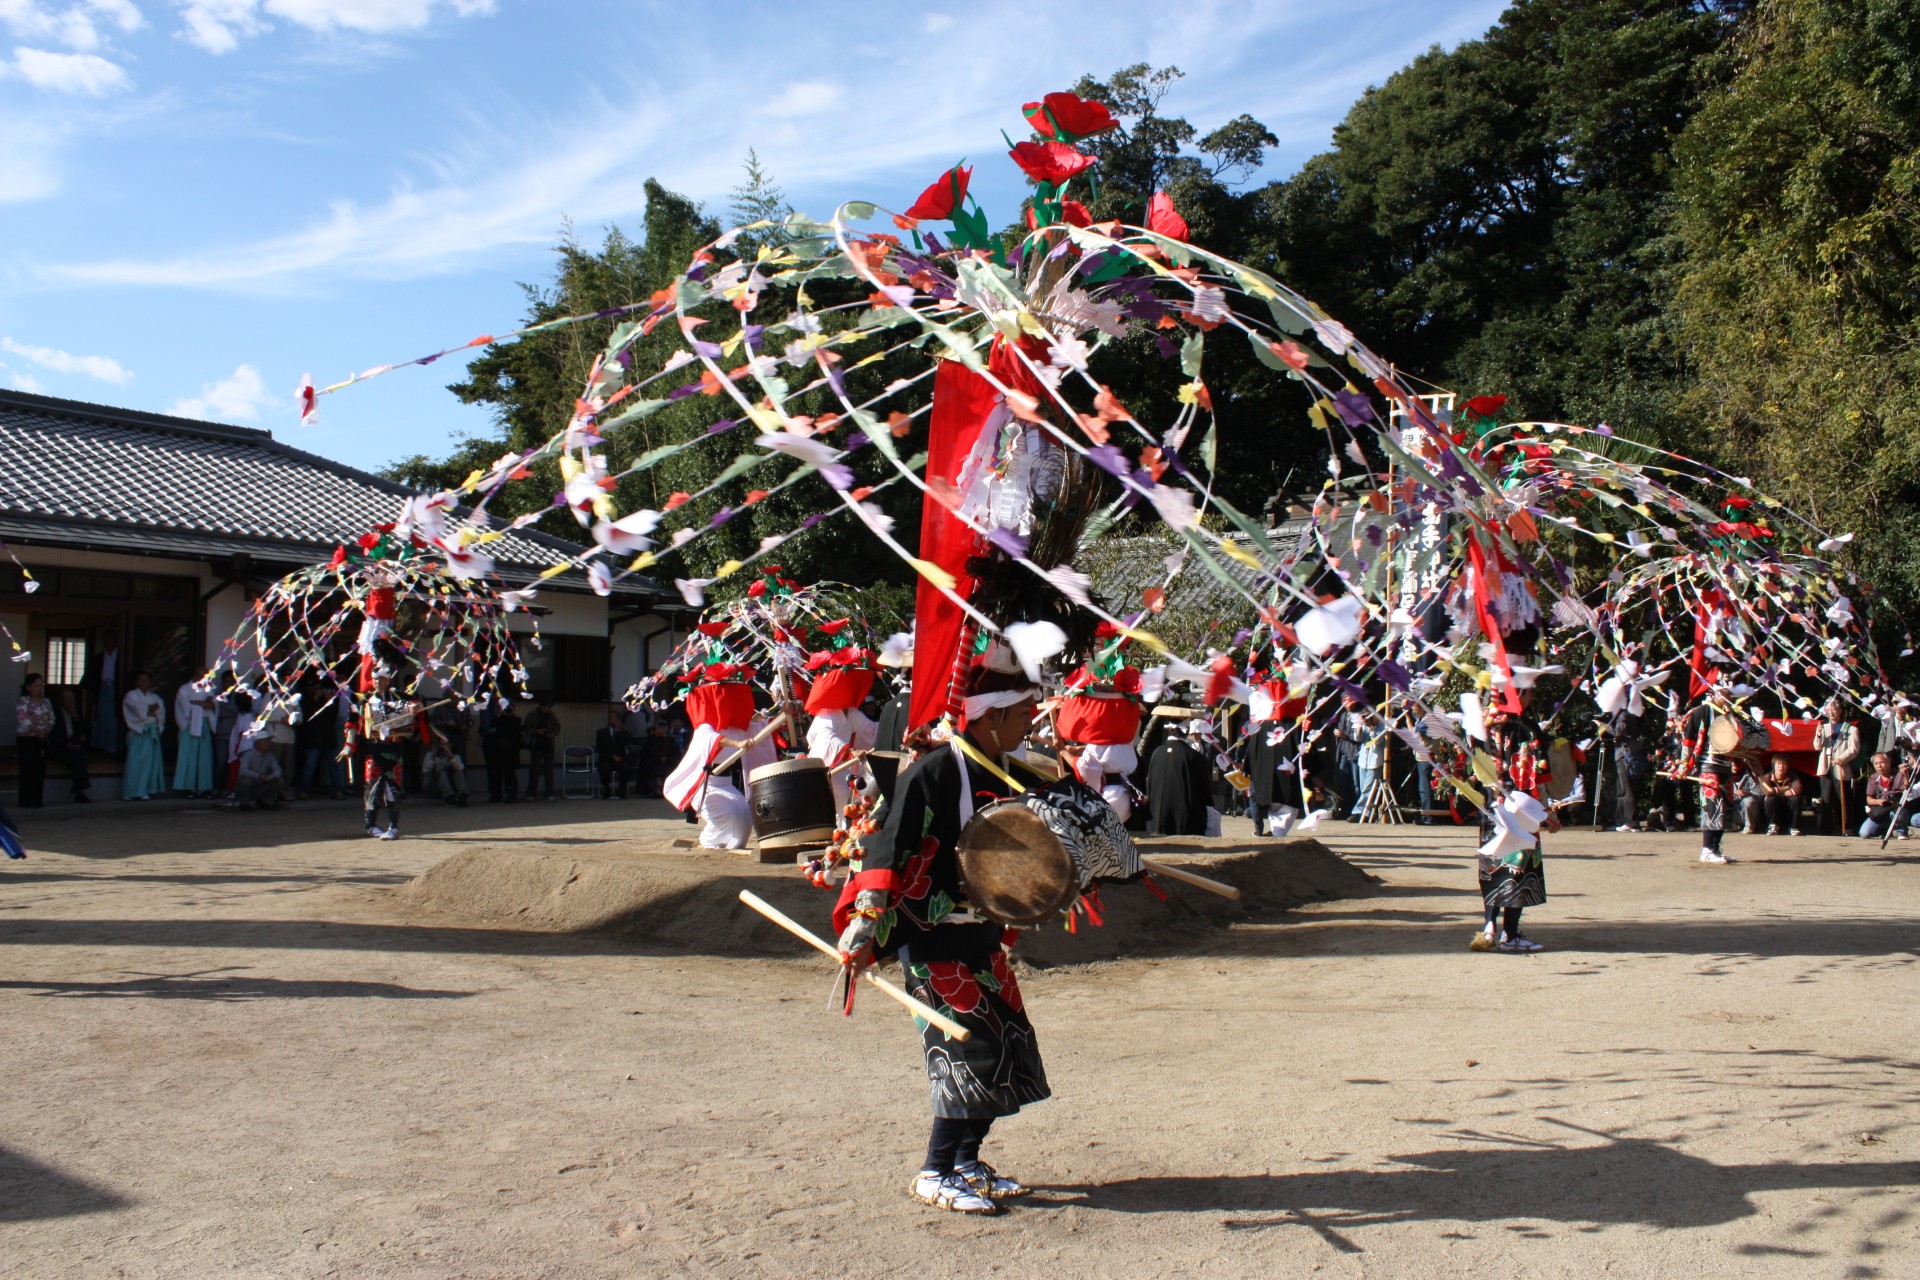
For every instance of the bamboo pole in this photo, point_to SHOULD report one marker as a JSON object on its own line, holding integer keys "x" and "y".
{"x": 919, "y": 1008}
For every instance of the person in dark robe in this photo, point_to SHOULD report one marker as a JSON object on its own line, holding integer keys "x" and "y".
{"x": 906, "y": 898}
{"x": 1268, "y": 751}
{"x": 1177, "y": 789}
{"x": 892, "y": 727}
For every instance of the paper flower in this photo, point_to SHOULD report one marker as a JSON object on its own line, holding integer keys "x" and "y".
{"x": 1163, "y": 219}
{"x": 1076, "y": 117}
{"x": 943, "y": 196}
{"x": 1050, "y": 162}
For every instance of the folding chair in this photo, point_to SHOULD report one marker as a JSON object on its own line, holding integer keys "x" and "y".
{"x": 579, "y": 774}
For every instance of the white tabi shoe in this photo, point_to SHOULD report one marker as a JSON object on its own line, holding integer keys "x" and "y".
{"x": 981, "y": 1177}
{"x": 950, "y": 1191}
{"x": 1708, "y": 855}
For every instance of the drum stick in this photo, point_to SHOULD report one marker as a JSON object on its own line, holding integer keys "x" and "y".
{"x": 1197, "y": 881}
{"x": 755, "y": 740}
{"x": 800, "y": 931}
{"x": 848, "y": 763}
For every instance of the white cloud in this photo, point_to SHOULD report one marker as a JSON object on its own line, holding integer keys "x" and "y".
{"x": 27, "y": 382}
{"x": 806, "y": 98}
{"x": 239, "y": 396}
{"x": 506, "y": 180}
{"x": 72, "y": 26}
{"x": 103, "y": 368}
{"x": 84, "y": 73}
{"x": 218, "y": 26}
{"x": 934, "y": 23}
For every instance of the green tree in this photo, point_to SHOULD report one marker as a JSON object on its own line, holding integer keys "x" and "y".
{"x": 1497, "y": 217}
{"x": 1799, "y": 299}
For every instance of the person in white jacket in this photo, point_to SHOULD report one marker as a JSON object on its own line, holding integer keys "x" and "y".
{"x": 145, "y": 715}
{"x": 194, "y": 711}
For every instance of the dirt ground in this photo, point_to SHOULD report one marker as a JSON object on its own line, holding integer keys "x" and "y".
{"x": 231, "y": 1049}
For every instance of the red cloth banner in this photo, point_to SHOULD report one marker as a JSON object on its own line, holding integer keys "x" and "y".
{"x": 962, "y": 400}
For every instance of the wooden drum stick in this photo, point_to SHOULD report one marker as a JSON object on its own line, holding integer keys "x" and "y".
{"x": 813, "y": 939}
{"x": 1197, "y": 881}
{"x": 755, "y": 740}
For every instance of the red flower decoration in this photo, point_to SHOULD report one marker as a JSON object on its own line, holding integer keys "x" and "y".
{"x": 918, "y": 879}
{"x": 954, "y": 983}
{"x": 1076, "y": 116}
{"x": 1009, "y": 985}
{"x": 1127, "y": 681}
{"x": 833, "y": 628}
{"x": 1050, "y": 162}
{"x": 1486, "y": 406}
{"x": 945, "y": 194}
{"x": 758, "y": 589}
{"x": 713, "y": 628}
{"x": 1164, "y": 219}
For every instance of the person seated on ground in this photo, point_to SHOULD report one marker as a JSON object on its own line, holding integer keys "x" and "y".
{"x": 261, "y": 778}
{"x": 1780, "y": 793}
{"x": 1884, "y": 789}
{"x": 446, "y": 773}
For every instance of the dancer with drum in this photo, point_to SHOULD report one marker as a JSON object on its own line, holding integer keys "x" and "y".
{"x": 1702, "y": 757}
{"x": 388, "y": 721}
{"x": 1513, "y": 875}
{"x": 907, "y": 900}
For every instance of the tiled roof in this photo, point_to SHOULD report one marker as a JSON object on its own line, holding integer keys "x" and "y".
{"x": 107, "y": 478}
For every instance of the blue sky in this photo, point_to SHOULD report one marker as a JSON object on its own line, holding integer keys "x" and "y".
{"x": 202, "y": 200}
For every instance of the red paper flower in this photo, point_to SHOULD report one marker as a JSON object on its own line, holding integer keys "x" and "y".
{"x": 944, "y": 195}
{"x": 954, "y": 983}
{"x": 1076, "y": 116}
{"x": 1164, "y": 219}
{"x": 1050, "y": 162}
{"x": 833, "y": 628}
{"x": 1486, "y": 406}
{"x": 1127, "y": 681}
{"x": 758, "y": 589}
{"x": 718, "y": 671}
{"x": 713, "y": 628}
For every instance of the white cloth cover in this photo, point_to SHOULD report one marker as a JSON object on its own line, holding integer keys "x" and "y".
{"x": 682, "y": 787}
{"x": 1118, "y": 800}
{"x": 725, "y": 822}
{"x": 835, "y": 734}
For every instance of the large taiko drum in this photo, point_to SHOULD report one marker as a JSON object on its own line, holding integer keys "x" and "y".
{"x": 792, "y": 804}
{"x": 1734, "y": 739}
{"x": 1025, "y": 860}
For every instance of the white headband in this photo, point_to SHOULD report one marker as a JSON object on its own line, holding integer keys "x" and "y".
{"x": 980, "y": 703}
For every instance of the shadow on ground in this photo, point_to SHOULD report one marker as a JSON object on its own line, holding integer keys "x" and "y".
{"x": 1623, "y": 1181}
{"x": 30, "y": 1190}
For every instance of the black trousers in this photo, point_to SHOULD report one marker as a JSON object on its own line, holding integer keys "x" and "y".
{"x": 32, "y": 756}
{"x": 1835, "y": 806}
{"x": 540, "y": 769}
{"x": 1783, "y": 812}
{"x": 609, "y": 770}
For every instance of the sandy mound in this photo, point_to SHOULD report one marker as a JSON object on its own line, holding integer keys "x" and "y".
{"x": 679, "y": 899}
